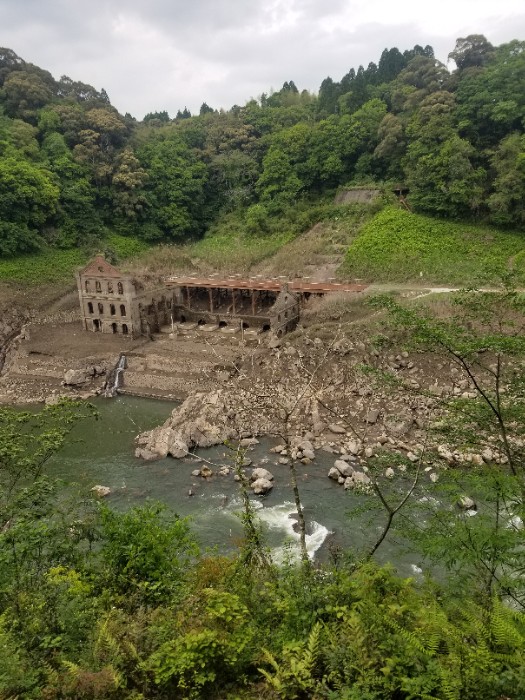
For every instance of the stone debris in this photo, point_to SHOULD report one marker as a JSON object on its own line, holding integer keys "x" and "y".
{"x": 262, "y": 486}
{"x": 467, "y": 503}
{"x": 101, "y": 491}
{"x": 357, "y": 480}
{"x": 372, "y": 416}
{"x": 248, "y": 442}
{"x": 344, "y": 468}
{"x": 337, "y": 429}
{"x": 260, "y": 473}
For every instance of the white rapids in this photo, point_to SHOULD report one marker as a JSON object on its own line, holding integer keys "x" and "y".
{"x": 280, "y": 518}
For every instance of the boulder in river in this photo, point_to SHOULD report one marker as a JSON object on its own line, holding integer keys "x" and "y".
{"x": 145, "y": 454}
{"x": 334, "y": 473}
{"x": 101, "y": 491}
{"x": 260, "y": 473}
{"x": 248, "y": 442}
{"x": 467, "y": 503}
{"x": 357, "y": 480}
{"x": 262, "y": 486}
{"x": 344, "y": 468}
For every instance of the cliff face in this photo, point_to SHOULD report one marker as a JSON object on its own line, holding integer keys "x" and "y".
{"x": 12, "y": 321}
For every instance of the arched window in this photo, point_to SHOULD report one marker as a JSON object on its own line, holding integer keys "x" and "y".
{"x": 120, "y": 288}
{"x": 90, "y": 307}
{"x": 122, "y": 310}
{"x": 97, "y": 325}
{"x": 100, "y": 308}
{"x": 114, "y": 327}
{"x": 112, "y": 309}
{"x": 124, "y": 329}
{"x": 86, "y": 284}
{"x": 110, "y": 287}
{"x": 98, "y": 286}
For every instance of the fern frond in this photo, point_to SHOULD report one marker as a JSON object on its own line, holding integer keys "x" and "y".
{"x": 72, "y": 669}
{"x": 312, "y": 650}
{"x": 504, "y": 627}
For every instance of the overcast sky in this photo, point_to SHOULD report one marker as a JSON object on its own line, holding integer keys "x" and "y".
{"x": 166, "y": 54}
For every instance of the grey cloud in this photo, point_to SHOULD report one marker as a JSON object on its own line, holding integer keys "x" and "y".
{"x": 165, "y": 54}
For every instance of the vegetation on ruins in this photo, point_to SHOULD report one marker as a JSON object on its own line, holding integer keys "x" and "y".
{"x": 73, "y": 170}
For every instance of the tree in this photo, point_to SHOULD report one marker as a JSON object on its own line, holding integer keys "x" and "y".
{"x": 205, "y": 109}
{"x": 185, "y": 114}
{"x": 9, "y": 62}
{"x": 484, "y": 341}
{"x": 491, "y": 98}
{"x": 24, "y": 94}
{"x": 472, "y": 51}
{"x": 156, "y": 118}
{"x": 28, "y": 199}
{"x": 234, "y": 174}
{"x": 439, "y": 165}
{"x": 18, "y": 139}
{"x": 421, "y": 77}
{"x": 175, "y": 189}
{"x": 128, "y": 183}
{"x": 392, "y": 145}
{"x": 506, "y": 203}
{"x": 391, "y": 63}
{"x": 328, "y": 95}
{"x": 81, "y": 92}
{"x": 145, "y": 554}
{"x": 77, "y": 219}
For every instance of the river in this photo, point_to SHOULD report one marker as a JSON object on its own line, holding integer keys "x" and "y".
{"x": 101, "y": 452}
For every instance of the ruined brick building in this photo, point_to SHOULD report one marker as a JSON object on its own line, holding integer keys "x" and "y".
{"x": 112, "y": 302}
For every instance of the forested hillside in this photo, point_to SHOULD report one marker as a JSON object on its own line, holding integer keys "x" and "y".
{"x": 73, "y": 170}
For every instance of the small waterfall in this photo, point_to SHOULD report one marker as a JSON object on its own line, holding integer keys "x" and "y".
{"x": 114, "y": 381}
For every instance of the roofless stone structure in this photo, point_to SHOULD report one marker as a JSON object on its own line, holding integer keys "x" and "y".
{"x": 115, "y": 303}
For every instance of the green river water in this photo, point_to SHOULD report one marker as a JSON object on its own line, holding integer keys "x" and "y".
{"x": 101, "y": 452}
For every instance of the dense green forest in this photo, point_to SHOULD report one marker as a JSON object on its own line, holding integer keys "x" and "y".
{"x": 73, "y": 170}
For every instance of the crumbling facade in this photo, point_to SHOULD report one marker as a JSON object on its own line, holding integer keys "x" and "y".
{"x": 111, "y": 302}
{"x": 261, "y": 305}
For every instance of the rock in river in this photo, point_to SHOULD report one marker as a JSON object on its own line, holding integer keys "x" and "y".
{"x": 262, "y": 486}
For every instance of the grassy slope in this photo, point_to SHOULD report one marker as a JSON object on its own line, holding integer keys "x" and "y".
{"x": 52, "y": 265}
{"x": 398, "y": 246}
{"x": 390, "y": 245}
{"x": 290, "y": 247}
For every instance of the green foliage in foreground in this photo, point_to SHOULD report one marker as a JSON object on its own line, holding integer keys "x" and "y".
{"x": 100, "y": 604}
{"x": 77, "y": 626}
{"x": 57, "y": 265}
{"x": 399, "y": 246}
